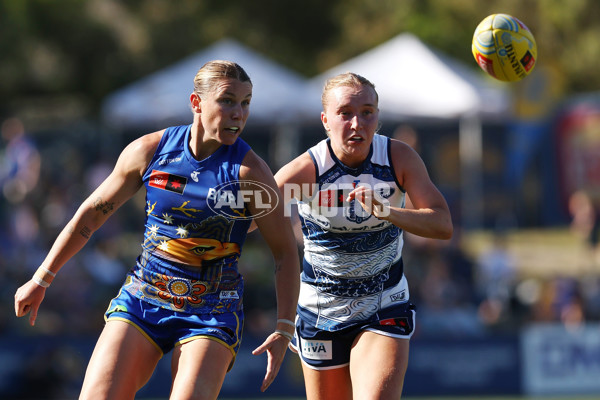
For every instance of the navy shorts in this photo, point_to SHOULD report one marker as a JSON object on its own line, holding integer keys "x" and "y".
{"x": 320, "y": 350}
{"x": 166, "y": 328}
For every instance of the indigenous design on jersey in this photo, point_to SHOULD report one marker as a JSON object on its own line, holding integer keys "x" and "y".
{"x": 190, "y": 253}
{"x": 352, "y": 261}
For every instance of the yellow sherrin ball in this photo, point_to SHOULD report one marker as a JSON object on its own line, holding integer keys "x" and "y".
{"x": 504, "y": 47}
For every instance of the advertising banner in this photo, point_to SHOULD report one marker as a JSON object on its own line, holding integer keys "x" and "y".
{"x": 561, "y": 361}
{"x": 468, "y": 366}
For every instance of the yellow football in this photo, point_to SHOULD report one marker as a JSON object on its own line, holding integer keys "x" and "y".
{"x": 504, "y": 47}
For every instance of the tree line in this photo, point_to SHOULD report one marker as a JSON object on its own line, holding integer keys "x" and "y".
{"x": 88, "y": 48}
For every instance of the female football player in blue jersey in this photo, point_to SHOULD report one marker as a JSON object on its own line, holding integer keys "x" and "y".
{"x": 354, "y": 317}
{"x": 203, "y": 187}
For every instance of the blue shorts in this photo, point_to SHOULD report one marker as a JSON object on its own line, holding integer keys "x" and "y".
{"x": 166, "y": 328}
{"x": 322, "y": 350}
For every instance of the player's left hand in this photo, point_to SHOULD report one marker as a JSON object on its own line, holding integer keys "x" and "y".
{"x": 275, "y": 345}
{"x": 28, "y": 299}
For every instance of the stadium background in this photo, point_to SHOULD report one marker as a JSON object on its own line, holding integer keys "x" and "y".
{"x": 530, "y": 330}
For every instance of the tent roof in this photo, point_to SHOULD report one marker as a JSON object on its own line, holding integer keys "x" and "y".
{"x": 163, "y": 97}
{"x": 414, "y": 81}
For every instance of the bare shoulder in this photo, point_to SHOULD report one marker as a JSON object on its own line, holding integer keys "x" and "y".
{"x": 146, "y": 144}
{"x": 254, "y": 167}
{"x": 138, "y": 153}
{"x": 404, "y": 156}
{"x": 300, "y": 170}
{"x": 399, "y": 148}
{"x": 407, "y": 162}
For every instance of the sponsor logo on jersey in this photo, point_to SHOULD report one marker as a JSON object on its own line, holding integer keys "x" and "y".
{"x": 316, "y": 349}
{"x": 331, "y": 198}
{"x": 229, "y": 294}
{"x": 166, "y": 181}
{"x": 335, "y": 196}
{"x": 169, "y": 161}
{"x": 400, "y": 296}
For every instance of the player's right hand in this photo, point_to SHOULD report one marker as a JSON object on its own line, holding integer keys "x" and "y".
{"x": 28, "y": 299}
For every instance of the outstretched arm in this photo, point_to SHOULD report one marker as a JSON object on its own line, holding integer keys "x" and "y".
{"x": 276, "y": 229}
{"x": 124, "y": 181}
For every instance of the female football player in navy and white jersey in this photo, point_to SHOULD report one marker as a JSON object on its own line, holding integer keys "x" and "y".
{"x": 354, "y": 314}
{"x": 203, "y": 187}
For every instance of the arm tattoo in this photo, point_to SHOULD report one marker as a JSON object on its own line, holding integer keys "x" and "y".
{"x": 85, "y": 232}
{"x": 103, "y": 206}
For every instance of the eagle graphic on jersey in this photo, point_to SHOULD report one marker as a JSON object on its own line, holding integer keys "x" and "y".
{"x": 208, "y": 242}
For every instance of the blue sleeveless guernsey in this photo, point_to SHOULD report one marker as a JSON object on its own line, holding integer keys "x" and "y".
{"x": 352, "y": 266}
{"x": 191, "y": 248}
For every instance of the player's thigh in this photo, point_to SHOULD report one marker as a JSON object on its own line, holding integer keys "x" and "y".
{"x": 377, "y": 366}
{"x": 327, "y": 384}
{"x": 199, "y": 368}
{"x": 122, "y": 362}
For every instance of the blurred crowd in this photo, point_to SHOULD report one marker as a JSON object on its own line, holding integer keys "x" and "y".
{"x": 44, "y": 178}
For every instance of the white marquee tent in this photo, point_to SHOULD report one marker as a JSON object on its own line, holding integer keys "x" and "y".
{"x": 163, "y": 97}
{"x": 414, "y": 81}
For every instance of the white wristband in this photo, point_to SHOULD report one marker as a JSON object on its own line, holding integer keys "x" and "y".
{"x": 40, "y": 281}
{"x": 284, "y": 334}
{"x": 286, "y": 321}
{"x": 46, "y": 270}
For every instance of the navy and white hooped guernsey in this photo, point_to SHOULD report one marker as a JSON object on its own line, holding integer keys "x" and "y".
{"x": 352, "y": 265}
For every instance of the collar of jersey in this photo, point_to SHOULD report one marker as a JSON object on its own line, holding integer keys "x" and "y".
{"x": 349, "y": 170}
